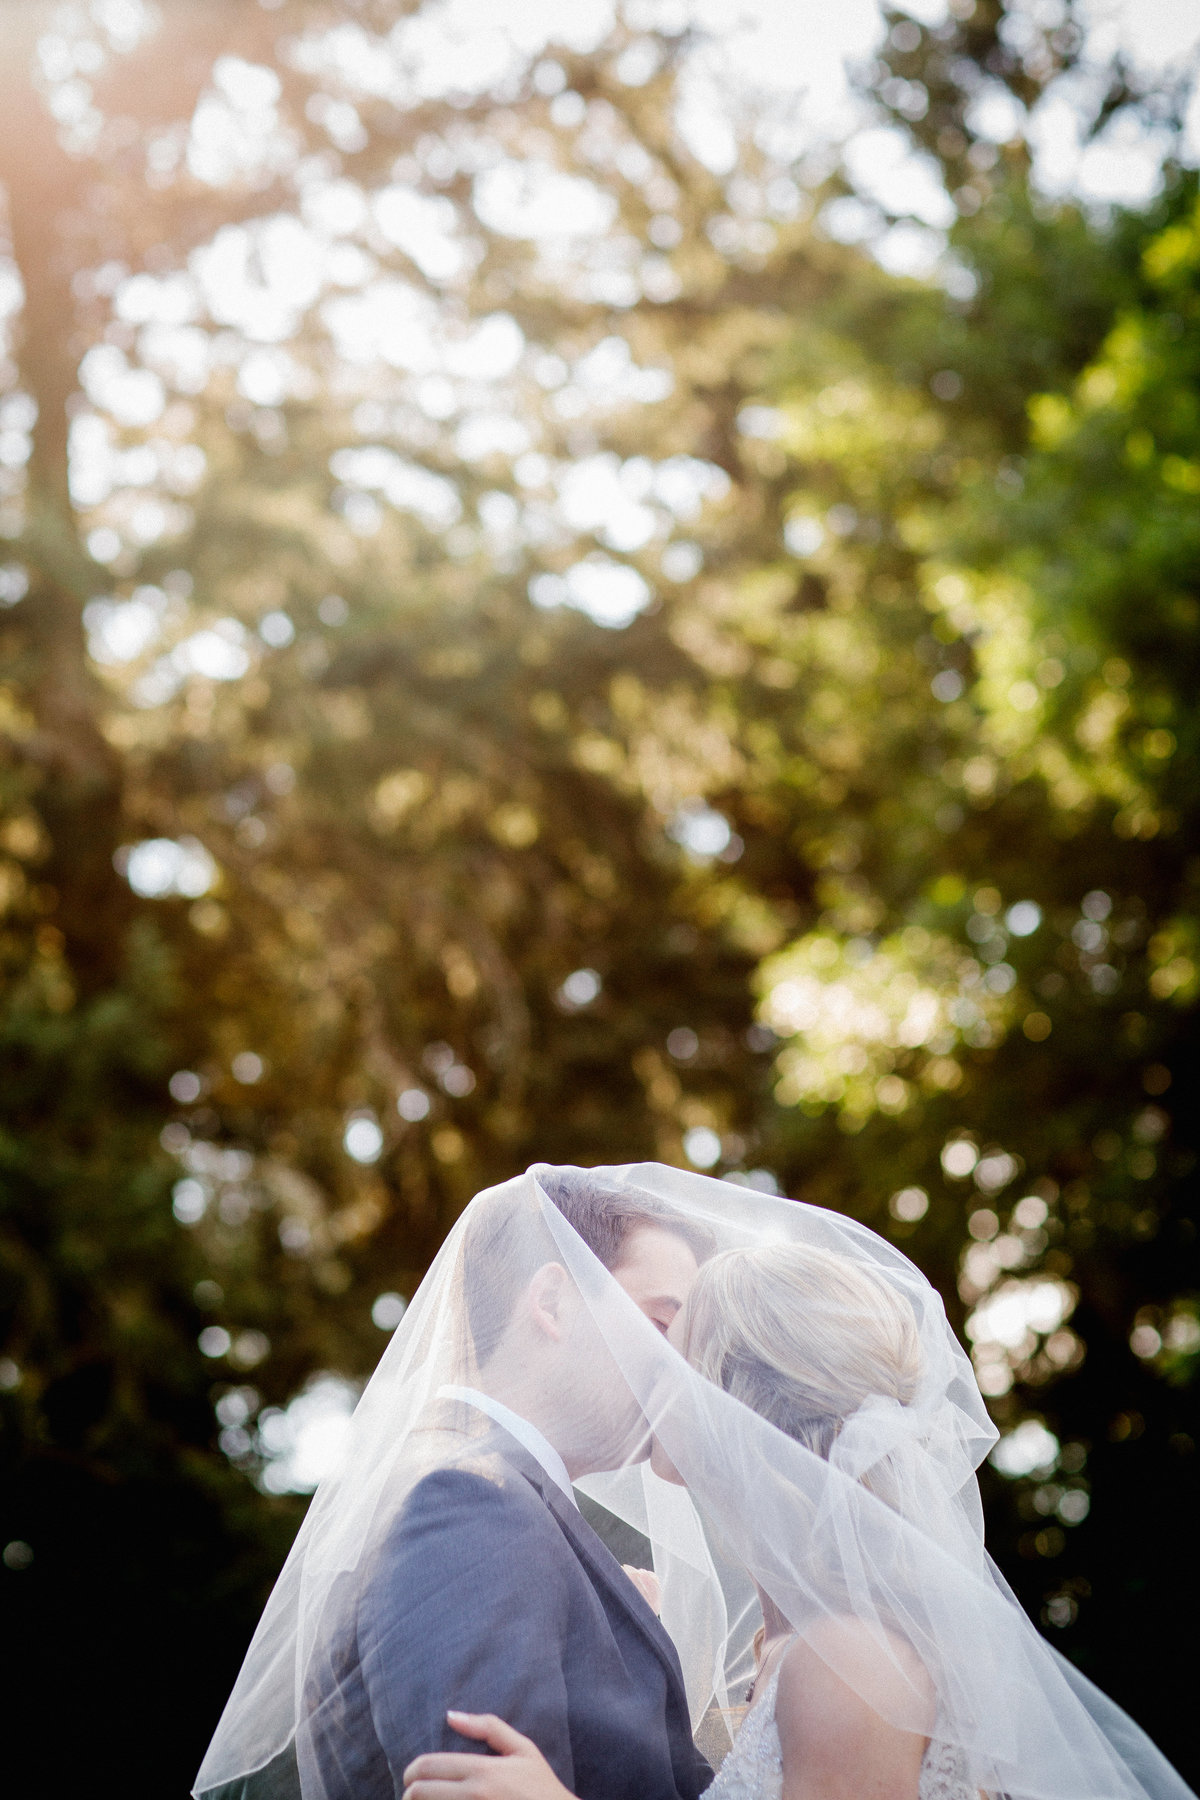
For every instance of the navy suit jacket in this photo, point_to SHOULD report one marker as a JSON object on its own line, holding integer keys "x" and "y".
{"x": 490, "y": 1593}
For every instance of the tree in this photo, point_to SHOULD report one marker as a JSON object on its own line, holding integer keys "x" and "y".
{"x": 410, "y": 843}
{"x": 494, "y": 601}
{"x": 1017, "y": 1006}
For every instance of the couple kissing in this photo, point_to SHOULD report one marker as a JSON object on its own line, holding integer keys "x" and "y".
{"x": 662, "y": 1487}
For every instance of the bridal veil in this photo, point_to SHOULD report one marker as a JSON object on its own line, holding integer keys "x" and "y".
{"x": 862, "y": 1521}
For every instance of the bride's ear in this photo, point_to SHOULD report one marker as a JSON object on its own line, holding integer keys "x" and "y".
{"x": 548, "y": 1297}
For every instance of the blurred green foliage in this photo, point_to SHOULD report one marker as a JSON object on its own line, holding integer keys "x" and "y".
{"x": 861, "y": 856}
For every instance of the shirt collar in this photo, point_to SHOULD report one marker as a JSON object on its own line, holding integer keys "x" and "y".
{"x": 527, "y": 1435}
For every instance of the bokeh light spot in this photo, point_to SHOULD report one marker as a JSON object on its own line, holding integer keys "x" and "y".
{"x": 189, "y": 1201}
{"x": 909, "y": 1204}
{"x": 1024, "y": 1451}
{"x": 702, "y": 1146}
{"x": 158, "y": 868}
{"x": 363, "y": 1139}
{"x": 959, "y": 1157}
{"x": 580, "y": 988}
{"x": 388, "y": 1311}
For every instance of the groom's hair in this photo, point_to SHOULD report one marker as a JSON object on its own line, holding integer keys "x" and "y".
{"x": 606, "y": 1217}
{"x": 508, "y": 1242}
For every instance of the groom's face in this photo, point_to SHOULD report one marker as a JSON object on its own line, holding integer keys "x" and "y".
{"x": 656, "y": 1269}
{"x": 596, "y": 1423}
{"x": 607, "y": 1424}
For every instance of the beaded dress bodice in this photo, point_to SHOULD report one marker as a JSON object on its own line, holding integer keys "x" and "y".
{"x": 753, "y": 1769}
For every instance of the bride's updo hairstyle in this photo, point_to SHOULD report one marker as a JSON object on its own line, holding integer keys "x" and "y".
{"x": 800, "y": 1335}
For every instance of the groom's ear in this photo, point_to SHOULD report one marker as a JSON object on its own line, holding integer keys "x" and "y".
{"x": 548, "y": 1300}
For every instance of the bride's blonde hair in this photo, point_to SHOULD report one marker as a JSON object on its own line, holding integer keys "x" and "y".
{"x": 801, "y": 1335}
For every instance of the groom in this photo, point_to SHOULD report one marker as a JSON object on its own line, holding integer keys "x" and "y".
{"x": 490, "y": 1592}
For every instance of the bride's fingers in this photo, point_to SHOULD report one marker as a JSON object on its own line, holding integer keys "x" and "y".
{"x": 647, "y": 1584}
{"x": 435, "y": 1790}
{"x": 491, "y": 1731}
{"x": 442, "y": 1765}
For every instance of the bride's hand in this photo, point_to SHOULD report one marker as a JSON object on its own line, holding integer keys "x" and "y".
{"x": 518, "y": 1772}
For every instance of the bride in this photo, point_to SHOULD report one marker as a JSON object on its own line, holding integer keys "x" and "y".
{"x": 764, "y": 1399}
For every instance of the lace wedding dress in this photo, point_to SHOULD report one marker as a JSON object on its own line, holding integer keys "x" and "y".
{"x": 753, "y": 1769}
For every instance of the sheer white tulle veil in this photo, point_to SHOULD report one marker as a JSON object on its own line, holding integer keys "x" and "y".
{"x": 881, "y": 1526}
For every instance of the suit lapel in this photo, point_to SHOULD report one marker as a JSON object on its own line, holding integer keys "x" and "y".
{"x": 604, "y": 1567}
{"x": 592, "y": 1552}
